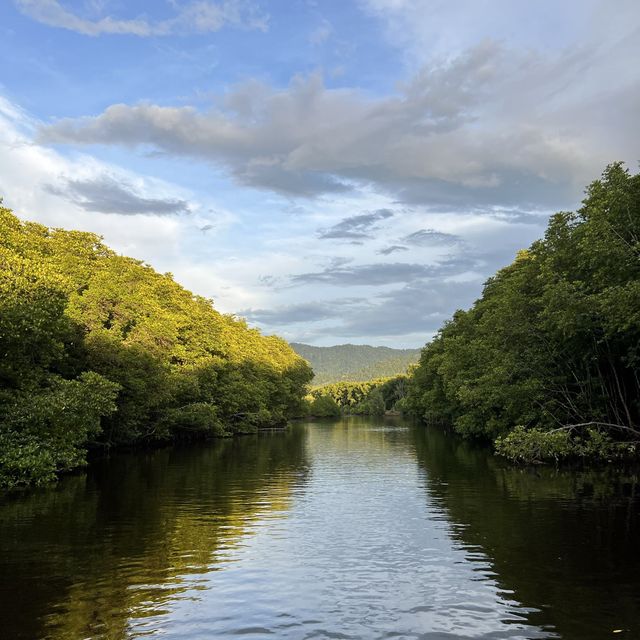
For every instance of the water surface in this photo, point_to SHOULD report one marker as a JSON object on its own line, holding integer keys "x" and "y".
{"x": 354, "y": 529}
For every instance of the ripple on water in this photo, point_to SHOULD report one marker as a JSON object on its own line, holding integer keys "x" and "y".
{"x": 338, "y": 530}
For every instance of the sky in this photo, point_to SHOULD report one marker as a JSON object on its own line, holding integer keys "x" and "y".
{"x": 332, "y": 170}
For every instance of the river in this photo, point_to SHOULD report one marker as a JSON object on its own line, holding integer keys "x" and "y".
{"x": 353, "y": 529}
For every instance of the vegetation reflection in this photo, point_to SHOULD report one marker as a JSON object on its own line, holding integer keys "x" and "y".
{"x": 555, "y": 537}
{"x": 138, "y": 531}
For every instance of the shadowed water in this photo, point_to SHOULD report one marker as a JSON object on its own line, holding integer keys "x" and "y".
{"x": 360, "y": 528}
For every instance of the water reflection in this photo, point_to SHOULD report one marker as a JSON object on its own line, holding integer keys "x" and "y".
{"x": 136, "y": 534}
{"x": 567, "y": 543}
{"x": 354, "y": 529}
{"x": 360, "y": 554}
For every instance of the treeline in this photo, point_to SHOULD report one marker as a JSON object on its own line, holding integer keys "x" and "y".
{"x": 98, "y": 349}
{"x": 547, "y": 362}
{"x": 355, "y": 362}
{"x": 374, "y": 397}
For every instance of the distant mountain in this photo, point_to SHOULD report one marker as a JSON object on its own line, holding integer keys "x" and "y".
{"x": 355, "y": 362}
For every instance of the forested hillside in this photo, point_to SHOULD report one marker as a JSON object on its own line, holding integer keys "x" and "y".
{"x": 355, "y": 362}
{"x": 548, "y": 359}
{"x": 98, "y": 349}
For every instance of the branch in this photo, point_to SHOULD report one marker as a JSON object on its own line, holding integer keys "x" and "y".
{"x": 597, "y": 424}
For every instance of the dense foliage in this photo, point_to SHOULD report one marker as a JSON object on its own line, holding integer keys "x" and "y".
{"x": 359, "y": 398}
{"x": 553, "y": 344}
{"x": 355, "y": 362}
{"x": 97, "y": 348}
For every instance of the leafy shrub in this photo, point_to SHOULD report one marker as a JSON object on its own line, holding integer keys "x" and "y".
{"x": 364, "y": 398}
{"x": 45, "y": 433}
{"x": 324, "y": 407}
{"x": 372, "y": 405}
{"x": 197, "y": 417}
{"x": 532, "y": 446}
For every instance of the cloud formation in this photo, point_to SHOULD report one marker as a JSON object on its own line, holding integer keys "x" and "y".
{"x": 386, "y": 251}
{"x": 489, "y": 127}
{"x": 105, "y": 194}
{"x": 470, "y": 121}
{"x": 308, "y": 312}
{"x": 200, "y": 16}
{"x": 321, "y": 33}
{"x": 355, "y": 227}
{"x": 431, "y": 238}
{"x": 417, "y": 308}
{"x": 379, "y": 274}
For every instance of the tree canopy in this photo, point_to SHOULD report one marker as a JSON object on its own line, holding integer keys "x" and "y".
{"x": 99, "y": 349}
{"x": 373, "y": 397}
{"x": 552, "y": 346}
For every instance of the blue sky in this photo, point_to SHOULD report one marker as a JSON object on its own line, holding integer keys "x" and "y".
{"x": 334, "y": 171}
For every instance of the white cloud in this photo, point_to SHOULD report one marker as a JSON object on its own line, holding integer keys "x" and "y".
{"x": 200, "y": 16}
{"x": 492, "y": 126}
{"x": 423, "y": 28}
{"x": 109, "y": 194}
{"x": 35, "y": 180}
{"x": 273, "y": 265}
{"x": 321, "y": 33}
{"x": 502, "y": 116}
